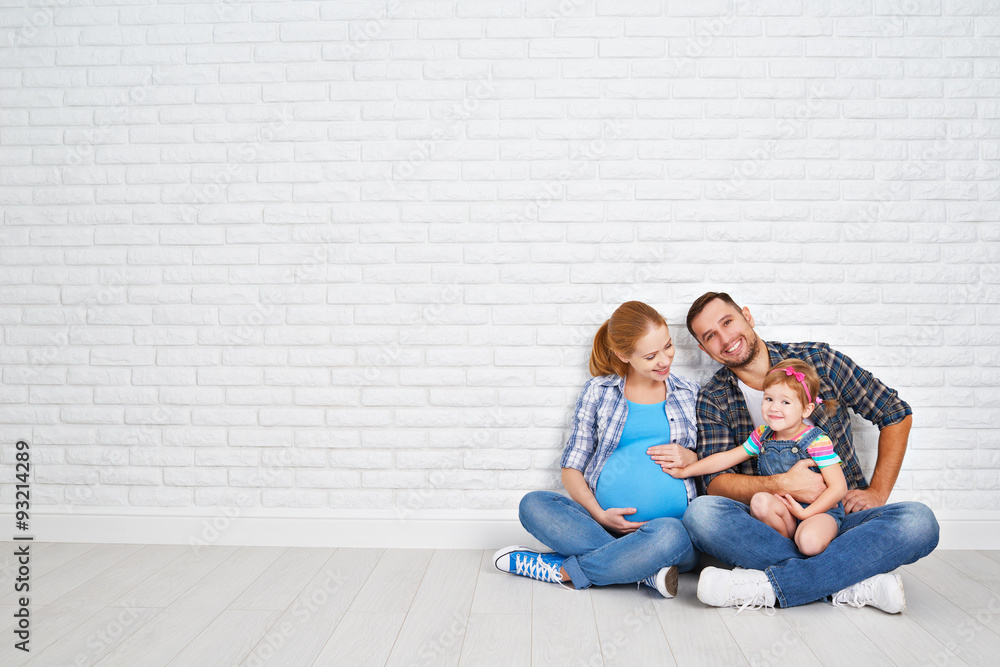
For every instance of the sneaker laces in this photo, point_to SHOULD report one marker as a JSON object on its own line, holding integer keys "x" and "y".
{"x": 857, "y": 595}
{"x": 749, "y": 592}
{"x": 537, "y": 568}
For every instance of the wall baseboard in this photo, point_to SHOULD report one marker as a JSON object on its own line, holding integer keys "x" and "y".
{"x": 300, "y": 528}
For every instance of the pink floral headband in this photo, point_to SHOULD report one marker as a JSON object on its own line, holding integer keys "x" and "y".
{"x": 802, "y": 380}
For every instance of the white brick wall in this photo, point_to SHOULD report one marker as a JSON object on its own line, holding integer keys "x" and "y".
{"x": 351, "y": 255}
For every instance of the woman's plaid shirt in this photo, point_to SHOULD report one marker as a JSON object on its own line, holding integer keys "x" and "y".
{"x": 599, "y": 419}
{"x": 724, "y": 422}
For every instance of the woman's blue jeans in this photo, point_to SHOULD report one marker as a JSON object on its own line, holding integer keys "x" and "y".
{"x": 593, "y": 555}
{"x": 870, "y": 542}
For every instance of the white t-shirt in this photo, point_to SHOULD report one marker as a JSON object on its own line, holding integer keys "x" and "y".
{"x": 754, "y": 400}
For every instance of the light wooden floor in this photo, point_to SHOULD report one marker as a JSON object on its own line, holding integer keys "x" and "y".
{"x": 157, "y": 605}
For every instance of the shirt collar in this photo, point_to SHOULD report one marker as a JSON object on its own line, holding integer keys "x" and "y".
{"x": 611, "y": 381}
{"x": 619, "y": 381}
{"x": 820, "y": 417}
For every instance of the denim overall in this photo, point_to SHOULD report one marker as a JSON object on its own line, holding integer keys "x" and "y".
{"x": 778, "y": 456}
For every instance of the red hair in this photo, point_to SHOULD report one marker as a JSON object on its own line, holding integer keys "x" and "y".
{"x": 630, "y": 322}
{"x": 810, "y": 377}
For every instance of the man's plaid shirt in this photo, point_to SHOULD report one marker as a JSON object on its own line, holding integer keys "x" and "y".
{"x": 724, "y": 422}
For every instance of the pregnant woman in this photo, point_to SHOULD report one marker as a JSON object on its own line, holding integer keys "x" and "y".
{"x": 633, "y": 420}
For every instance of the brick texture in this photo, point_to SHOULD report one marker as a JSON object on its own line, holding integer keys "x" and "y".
{"x": 352, "y": 254}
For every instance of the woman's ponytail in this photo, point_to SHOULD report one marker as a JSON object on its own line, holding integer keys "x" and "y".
{"x": 603, "y": 360}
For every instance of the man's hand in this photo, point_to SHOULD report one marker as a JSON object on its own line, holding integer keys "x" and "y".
{"x": 802, "y": 483}
{"x": 863, "y": 499}
{"x": 671, "y": 456}
{"x": 613, "y": 519}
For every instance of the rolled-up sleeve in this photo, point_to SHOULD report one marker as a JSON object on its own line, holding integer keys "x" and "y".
{"x": 868, "y": 396}
{"x": 582, "y": 439}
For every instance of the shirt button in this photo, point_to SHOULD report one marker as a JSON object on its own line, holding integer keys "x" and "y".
{"x": 795, "y": 450}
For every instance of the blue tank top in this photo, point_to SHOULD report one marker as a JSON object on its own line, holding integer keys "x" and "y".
{"x": 630, "y": 478}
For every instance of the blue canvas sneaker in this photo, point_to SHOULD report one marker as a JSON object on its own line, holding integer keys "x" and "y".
{"x": 530, "y": 563}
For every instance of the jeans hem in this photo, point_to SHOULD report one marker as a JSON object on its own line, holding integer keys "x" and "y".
{"x": 779, "y": 596}
{"x": 576, "y": 575}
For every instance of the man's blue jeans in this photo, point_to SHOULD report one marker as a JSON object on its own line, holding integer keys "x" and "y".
{"x": 593, "y": 555}
{"x": 870, "y": 542}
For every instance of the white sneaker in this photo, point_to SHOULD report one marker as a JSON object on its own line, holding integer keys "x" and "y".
{"x": 884, "y": 591}
{"x": 664, "y": 581}
{"x": 746, "y": 589}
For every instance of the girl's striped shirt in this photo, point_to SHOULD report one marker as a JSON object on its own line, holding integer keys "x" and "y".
{"x": 820, "y": 449}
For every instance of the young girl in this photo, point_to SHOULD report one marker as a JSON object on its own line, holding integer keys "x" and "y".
{"x": 791, "y": 394}
{"x": 621, "y": 522}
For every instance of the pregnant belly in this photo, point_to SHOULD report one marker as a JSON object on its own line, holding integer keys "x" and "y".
{"x": 631, "y": 479}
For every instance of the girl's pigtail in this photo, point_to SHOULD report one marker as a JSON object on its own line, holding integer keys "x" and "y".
{"x": 829, "y": 407}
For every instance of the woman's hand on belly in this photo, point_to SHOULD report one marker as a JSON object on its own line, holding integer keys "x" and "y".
{"x": 671, "y": 456}
{"x": 614, "y": 519}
